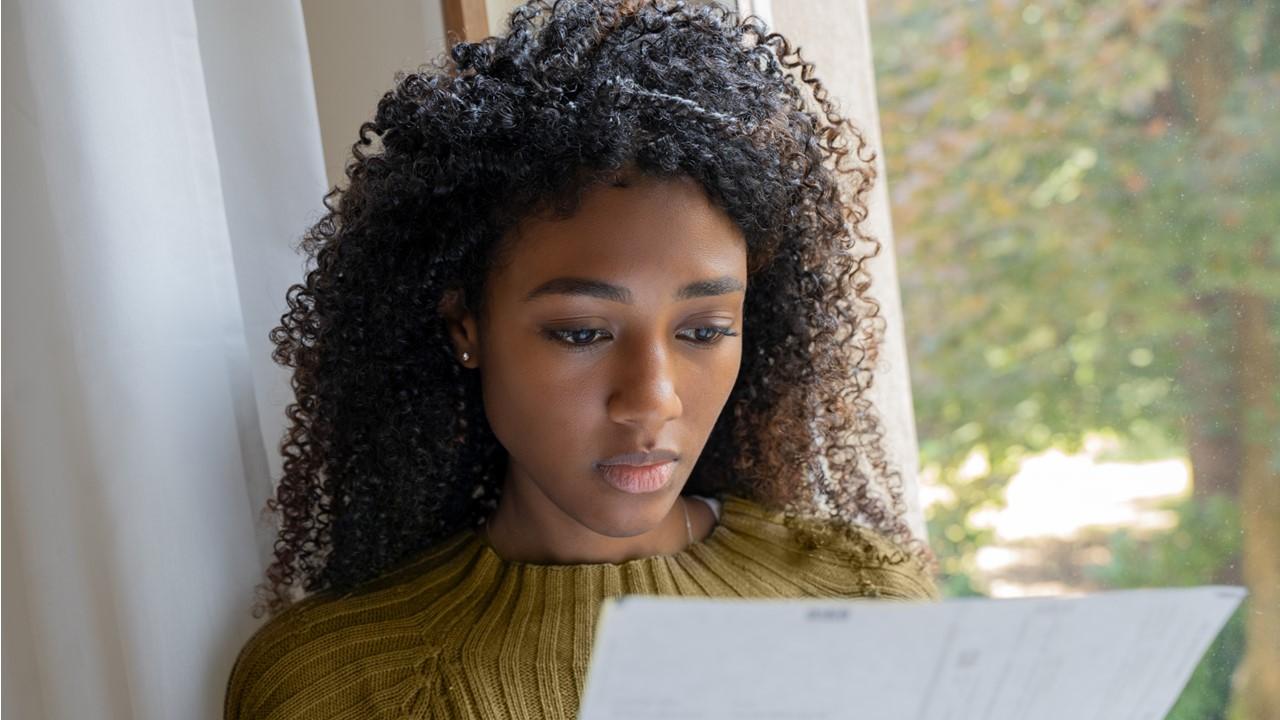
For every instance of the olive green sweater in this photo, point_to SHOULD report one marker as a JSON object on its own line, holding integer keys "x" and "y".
{"x": 458, "y": 632}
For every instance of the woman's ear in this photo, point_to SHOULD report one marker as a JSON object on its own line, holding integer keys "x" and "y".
{"x": 463, "y": 329}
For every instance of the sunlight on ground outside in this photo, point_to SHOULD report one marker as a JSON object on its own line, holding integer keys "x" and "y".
{"x": 1058, "y": 507}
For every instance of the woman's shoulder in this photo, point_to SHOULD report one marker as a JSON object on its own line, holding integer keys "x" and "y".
{"x": 303, "y": 656}
{"x": 845, "y": 558}
{"x": 284, "y": 655}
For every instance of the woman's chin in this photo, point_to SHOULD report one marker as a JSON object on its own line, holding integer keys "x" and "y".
{"x": 625, "y": 516}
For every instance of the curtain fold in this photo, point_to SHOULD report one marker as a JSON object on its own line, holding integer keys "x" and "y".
{"x": 162, "y": 160}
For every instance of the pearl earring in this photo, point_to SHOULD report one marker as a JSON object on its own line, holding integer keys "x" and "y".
{"x": 466, "y": 356}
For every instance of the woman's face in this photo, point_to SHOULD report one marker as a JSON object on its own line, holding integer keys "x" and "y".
{"x": 602, "y": 336}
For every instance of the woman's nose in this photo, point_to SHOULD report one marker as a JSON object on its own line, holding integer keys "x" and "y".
{"x": 644, "y": 389}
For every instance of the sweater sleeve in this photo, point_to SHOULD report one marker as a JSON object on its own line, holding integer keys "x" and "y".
{"x": 281, "y": 665}
{"x": 328, "y": 656}
{"x": 856, "y": 561}
{"x": 915, "y": 582}
{"x": 904, "y": 574}
{"x": 258, "y": 678}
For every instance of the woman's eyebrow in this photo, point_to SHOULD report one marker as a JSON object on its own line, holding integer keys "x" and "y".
{"x": 722, "y": 285}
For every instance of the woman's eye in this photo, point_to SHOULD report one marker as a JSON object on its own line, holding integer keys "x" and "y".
{"x": 710, "y": 335}
{"x": 579, "y": 337}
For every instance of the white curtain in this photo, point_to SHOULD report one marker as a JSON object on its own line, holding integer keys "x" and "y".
{"x": 161, "y": 159}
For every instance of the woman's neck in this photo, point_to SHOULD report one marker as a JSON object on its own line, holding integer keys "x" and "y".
{"x": 528, "y": 527}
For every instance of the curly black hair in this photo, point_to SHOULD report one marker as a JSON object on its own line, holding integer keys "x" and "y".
{"x": 389, "y": 451}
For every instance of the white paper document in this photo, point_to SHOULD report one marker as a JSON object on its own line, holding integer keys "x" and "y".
{"x": 1124, "y": 654}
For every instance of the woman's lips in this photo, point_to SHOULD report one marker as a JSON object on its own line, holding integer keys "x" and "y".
{"x": 638, "y": 479}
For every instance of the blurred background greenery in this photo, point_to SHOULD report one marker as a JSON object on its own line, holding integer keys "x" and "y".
{"x": 1086, "y": 207}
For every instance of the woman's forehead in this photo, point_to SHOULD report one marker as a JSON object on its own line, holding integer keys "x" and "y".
{"x": 654, "y": 229}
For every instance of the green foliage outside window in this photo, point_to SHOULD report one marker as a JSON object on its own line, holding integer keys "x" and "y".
{"x": 1085, "y": 199}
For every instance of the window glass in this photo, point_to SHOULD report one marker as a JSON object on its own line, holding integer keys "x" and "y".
{"x": 1085, "y": 200}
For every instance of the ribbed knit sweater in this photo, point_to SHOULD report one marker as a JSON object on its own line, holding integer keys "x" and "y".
{"x": 458, "y": 632}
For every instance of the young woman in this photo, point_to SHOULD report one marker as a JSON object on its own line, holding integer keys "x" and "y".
{"x": 592, "y": 320}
